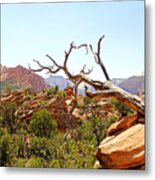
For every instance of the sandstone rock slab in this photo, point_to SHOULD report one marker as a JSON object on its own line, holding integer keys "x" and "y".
{"x": 123, "y": 151}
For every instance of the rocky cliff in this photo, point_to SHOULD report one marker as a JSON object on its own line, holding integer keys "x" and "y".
{"x": 20, "y": 76}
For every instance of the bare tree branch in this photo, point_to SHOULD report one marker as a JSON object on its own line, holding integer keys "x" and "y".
{"x": 98, "y": 58}
{"x": 106, "y": 89}
{"x": 54, "y": 62}
{"x": 99, "y": 44}
{"x": 67, "y": 54}
{"x": 112, "y": 91}
{"x": 84, "y": 72}
{"x": 82, "y": 46}
{"x": 94, "y": 54}
{"x": 75, "y": 95}
{"x": 56, "y": 67}
{"x": 41, "y": 68}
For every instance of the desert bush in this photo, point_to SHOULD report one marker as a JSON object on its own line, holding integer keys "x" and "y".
{"x": 8, "y": 150}
{"x": 9, "y": 119}
{"x": 35, "y": 162}
{"x": 121, "y": 108}
{"x": 42, "y": 124}
{"x": 21, "y": 162}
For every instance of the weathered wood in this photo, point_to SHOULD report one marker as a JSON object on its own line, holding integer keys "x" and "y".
{"x": 107, "y": 89}
{"x": 112, "y": 91}
{"x": 97, "y": 58}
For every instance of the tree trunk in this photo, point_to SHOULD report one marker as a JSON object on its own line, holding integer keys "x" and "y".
{"x": 112, "y": 91}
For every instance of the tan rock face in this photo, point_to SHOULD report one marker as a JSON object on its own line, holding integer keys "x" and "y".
{"x": 123, "y": 151}
{"x": 59, "y": 111}
{"x": 122, "y": 124}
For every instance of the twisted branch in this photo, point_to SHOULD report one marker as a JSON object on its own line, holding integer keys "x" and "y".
{"x": 98, "y": 58}
{"x": 107, "y": 89}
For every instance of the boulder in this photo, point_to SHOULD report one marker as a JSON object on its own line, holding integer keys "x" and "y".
{"x": 123, "y": 151}
{"x": 122, "y": 124}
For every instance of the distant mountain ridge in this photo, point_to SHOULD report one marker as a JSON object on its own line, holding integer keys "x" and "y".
{"x": 118, "y": 81}
{"x": 57, "y": 81}
{"x": 20, "y": 76}
{"x": 62, "y": 83}
{"x": 133, "y": 84}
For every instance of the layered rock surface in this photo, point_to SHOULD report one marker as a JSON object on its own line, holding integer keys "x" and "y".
{"x": 57, "y": 106}
{"x": 123, "y": 148}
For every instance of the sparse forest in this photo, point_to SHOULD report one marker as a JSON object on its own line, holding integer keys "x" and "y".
{"x": 62, "y": 129}
{"x": 40, "y": 142}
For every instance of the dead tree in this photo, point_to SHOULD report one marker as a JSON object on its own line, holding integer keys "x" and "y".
{"x": 76, "y": 79}
{"x": 103, "y": 89}
{"x": 97, "y": 58}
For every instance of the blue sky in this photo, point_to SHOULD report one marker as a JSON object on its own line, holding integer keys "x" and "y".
{"x": 30, "y": 31}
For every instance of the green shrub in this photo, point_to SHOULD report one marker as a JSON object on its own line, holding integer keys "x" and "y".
{"x": 122, "y": 108}
{"x": 8, "y": 118}
{"x": 86, "y": 100}
{"x": 21, "y": 162}
{"x": 8, "y": 150}
{"x": 41, "y": 102}
{"x": 2, "y": 132}
{"x": 35, "y": 162}
{"x": 42, "y": 124}
{"x": 61, "y": 94}
{"x": 40, "y": 147}
{"x": 29, "y": 96}
{"x": 55, "y": 163}
{"x": 54, "y": 91}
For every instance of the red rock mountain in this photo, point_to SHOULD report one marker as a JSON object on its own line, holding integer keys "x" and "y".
{"x": 20, "y": 76}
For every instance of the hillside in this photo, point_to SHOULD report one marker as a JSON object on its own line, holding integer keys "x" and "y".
{"x": 43, "y": 131}
{"x": 44, "y": 134}
{"x": 19, "y": 76}
{"x": 118, "y": 81}
{"x": 57, "y": 81}
{"x": 133, "y": 84}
